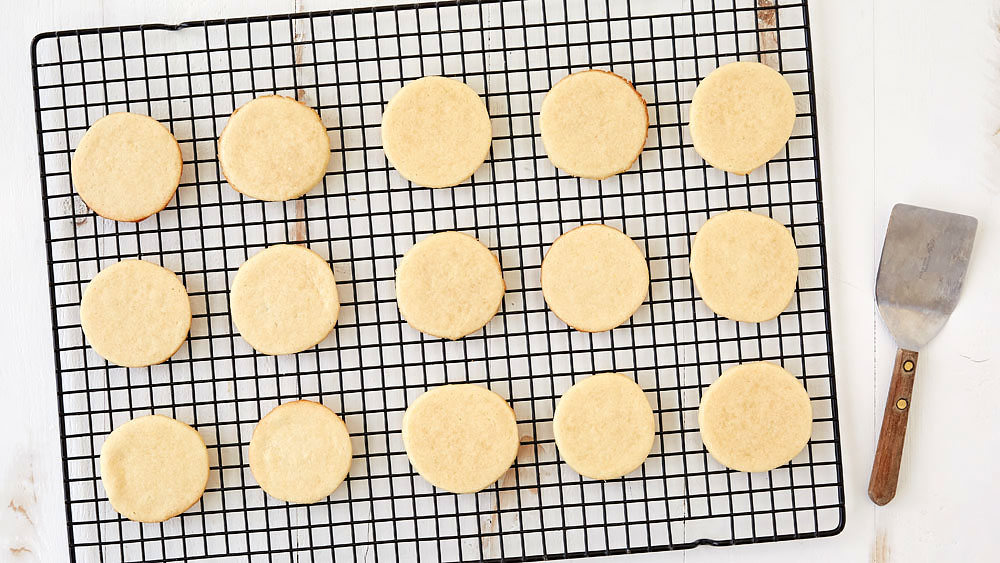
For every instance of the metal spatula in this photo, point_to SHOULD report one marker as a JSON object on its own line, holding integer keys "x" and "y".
{"x": 924, "y": 258}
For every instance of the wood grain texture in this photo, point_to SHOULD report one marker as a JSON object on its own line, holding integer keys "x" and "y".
{"x": 767, "y": 36}
{"x": 889, "y": 452}
{"x": 297, "y": 229}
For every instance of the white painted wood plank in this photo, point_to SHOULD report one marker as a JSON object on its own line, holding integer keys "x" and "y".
{"x": 936, "y": 119}
{"x": 32, "y": 517}
{"x": 32, "y": 513}
{"x": 927, "y": 136}
{"x": 842, "y": 42}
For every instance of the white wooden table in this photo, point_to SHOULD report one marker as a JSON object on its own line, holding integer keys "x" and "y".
{"x": 906, "y": 92}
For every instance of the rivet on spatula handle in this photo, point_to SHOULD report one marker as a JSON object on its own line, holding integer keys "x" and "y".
{"x": 885, "y": 470}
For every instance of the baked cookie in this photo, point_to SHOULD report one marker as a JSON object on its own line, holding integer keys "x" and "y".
{"x": 745, "y": 266}
{"x": 135, "y": 313}
{"x": 755, "y": 417}
{"x": 449, "y": 285}
{"x": 284, "y": 300}
{"x": 742, "y": 114}
{"x": 594, "y": 124}
{"x": 126, "y": 167}
{"x": 300, "y": 452}
{"x": 461, "y": 438}
{"x": 153, "y": 468}
{"x": 274, "y": 148}
{"x": 594, "y": 277}
{"x": 436, "y": 132}
{"x": 604, "y": 427}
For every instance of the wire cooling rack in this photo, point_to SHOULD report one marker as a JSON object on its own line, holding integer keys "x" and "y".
{"x": 364, "y": 216}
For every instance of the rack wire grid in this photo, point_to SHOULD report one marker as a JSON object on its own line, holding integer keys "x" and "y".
{"x": 364, "y": 216}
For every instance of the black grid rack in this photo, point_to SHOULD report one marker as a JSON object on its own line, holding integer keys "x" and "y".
{"x": 364, "y": 216}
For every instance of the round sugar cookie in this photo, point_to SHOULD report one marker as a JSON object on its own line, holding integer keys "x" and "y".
{"x": 274, "y": 148}
{"x": 461, "y": 438}
{"x": 604, "y": 427}
{"x": 745, "y": 266}
{"x": 755, "y": 417}
{"x": 436, "y": 132}
{"x": 300, "y": 452}
{"x": 742, "y": 114}
{"x": 284, "y": 300}
{"x": 135, "y": 313}
{"x": 449, "y": 285}
{"x": 126, "y": 167}
{"x": 153, "y": 468}
{"x": 594, "y": 124}
{"x": 594, "y": 277}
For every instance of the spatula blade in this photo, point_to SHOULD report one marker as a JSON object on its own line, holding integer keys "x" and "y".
{"x": 924, "y": 259}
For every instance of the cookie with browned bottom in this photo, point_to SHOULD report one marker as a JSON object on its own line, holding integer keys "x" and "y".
{"x": 126, "y": 167}
{"x": 594, "y": 124}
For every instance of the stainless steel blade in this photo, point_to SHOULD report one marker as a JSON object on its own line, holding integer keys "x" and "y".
{"x": 924, "y": 259}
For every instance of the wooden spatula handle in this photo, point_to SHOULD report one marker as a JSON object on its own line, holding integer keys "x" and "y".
{"x": 885, "y": 470}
